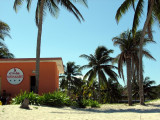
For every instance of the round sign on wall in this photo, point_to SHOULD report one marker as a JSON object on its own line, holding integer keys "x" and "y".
{"x": 15, "y": 76}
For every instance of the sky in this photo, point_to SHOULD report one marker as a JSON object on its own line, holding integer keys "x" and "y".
{"x": 67, "y": 38}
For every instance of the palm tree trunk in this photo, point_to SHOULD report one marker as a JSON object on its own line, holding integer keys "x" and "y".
{"x": 129, "y": 87}
{"x": 39, "y": 46}
{"x": 99, "y": 89}
{"x": 141, "y": 93}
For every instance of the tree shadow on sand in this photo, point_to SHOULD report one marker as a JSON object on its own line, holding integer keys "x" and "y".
{"x": 134, "y": 110}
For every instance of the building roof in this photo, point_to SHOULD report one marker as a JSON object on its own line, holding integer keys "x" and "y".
{"x": 58, "y": 61}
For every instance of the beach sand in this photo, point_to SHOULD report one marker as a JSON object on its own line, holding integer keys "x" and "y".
{"x": 106, "y": 112}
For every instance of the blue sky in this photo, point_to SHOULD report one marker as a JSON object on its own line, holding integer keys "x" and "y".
{"x": 67, "y": 38}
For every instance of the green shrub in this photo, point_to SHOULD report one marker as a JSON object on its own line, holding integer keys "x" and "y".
{"x": 83, "y": 103}
{"x": 33, "y": 98}
{"x": 56, "y": 99}
{"x": 94, "y": 103}
{"x": 74, "y": 104}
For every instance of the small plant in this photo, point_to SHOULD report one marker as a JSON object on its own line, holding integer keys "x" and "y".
{"x": 35, "y": 107}
{"x": 83, "y": 103}
{"x": 94, "y": 103}
{"x": 3, "y": 110}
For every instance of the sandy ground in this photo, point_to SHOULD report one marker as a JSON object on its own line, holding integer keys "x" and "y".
{"x": 107, "y": 112}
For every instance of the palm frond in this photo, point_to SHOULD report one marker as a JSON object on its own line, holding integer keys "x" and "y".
{"x": 52, "y": 7}
{"x": 122, "y": 9}
{"x": 4, "y": 30}
{"x": 110, "y": 73}
{"x": 17, "y": 3}
{"x": 85, "y": 67}
{"x": 133, "y": 4}
{"x": 89, "y": 58}
{"x": 137, "y": 15}
{"x": 147, "y": 54}
{"x": 71, "y": 8}
{"x": 103, "y": 79}
{"x": 29, "y": 4}
{"x": 84, "y": 2}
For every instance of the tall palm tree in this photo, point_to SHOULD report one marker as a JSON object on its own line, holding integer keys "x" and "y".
{"x": 70, "y": 76}
{"x": 52, "y": 6}
{"x": 99, "y": 65}
{"x": 129, "y": 46}
{"x": 4, "y": 31}
{"x": 152, "y": 15}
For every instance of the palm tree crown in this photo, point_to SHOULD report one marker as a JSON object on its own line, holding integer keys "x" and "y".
{"x": 100, "y": 66}
{"x": 70, "y": 76}
{"x": 129, "y": 47}
{"x": 52, "y": 7}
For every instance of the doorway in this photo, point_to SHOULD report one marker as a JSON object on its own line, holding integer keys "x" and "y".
{"x": 32, "y": 84}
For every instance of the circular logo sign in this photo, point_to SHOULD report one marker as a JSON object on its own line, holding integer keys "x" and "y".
{"x": 15, "y": 76}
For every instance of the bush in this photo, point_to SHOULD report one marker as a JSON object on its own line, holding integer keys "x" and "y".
{"x": 33, "y": 98}
{"x": 56, "y": 99}
{"x": 83, "y": 103}
{"x": 94, "y": 103}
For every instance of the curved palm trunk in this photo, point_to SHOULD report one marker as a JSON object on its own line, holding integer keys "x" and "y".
{"x": 129, "y": 76}
{"x": 141, "y": 93}
{"x": 39, "y": 46}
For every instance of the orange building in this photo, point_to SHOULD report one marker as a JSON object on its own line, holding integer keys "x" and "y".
{"x": 19, "y": 74}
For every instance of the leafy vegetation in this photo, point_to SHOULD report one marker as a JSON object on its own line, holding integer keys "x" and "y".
{"x": 101, "y": 81}
{"x": 33, "y": 98}
{"x": 129, "y": 46}
{"x": 55, "y": 99}
{"x": 99, "y": 65}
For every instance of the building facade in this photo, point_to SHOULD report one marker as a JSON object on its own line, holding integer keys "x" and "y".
{"x": 19, "y": 74}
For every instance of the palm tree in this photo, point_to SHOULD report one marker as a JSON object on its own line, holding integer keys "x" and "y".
{"x": 70, "y": 76}
{"x": 52, "y": 6}
{"x": 99, "y": 65}
{"x": 148, "y": 88}
{"x": 114, "y": 91}
{"x": 129, "y": 46}
{"x": 152, "y": 15}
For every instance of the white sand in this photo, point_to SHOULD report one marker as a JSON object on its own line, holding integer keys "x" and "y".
{"x": 107, "y": 112}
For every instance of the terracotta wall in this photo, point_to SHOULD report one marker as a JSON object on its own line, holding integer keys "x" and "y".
{"x": 47, "y": 82}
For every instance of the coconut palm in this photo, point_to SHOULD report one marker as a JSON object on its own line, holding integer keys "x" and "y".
{"x": 99, "y": 65}
{"x": 153, "y": 8}
{"x": 129, "y": 46}
{"x": 70, "y": 76}
{"x": 42, "y": 7}
{"x": 148, "y": 88}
